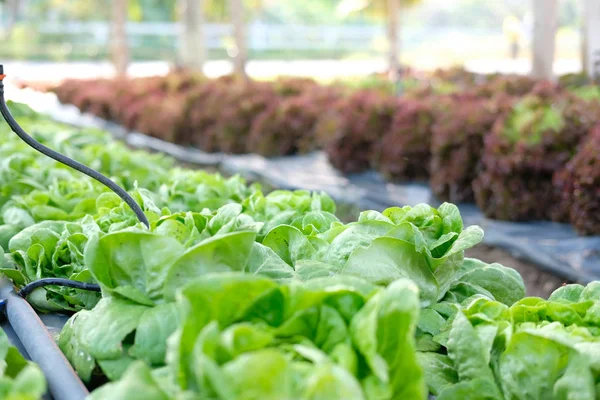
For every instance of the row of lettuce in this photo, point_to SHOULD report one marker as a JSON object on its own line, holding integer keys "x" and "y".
{"x": 520, "y": 148}
{"x": 236, "y": 295}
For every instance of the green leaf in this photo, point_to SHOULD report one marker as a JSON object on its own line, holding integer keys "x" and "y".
{"x": 224, "y": 216}
{"x": 570, "y": 293}
{"x": 439, "y": 371}
{"x": 314, "y": 222}
{"x": 223, "y": 298}
{"x": 70, "y": 344}
{"x": 17, "y": 217}
{"x": 311, "y": 269}
{"x": 137, "y": 384}
{"x": 469, "y": 352}
{"x": 577, "y": 381}
{"x": 245, "y": 337}
{"x": 591, "y": 292}
{"x": 347, "y": 238}
{"x": 155, "y": 327}
{"x": 228, "y": 252}
{"x": 332, "y": 382}
{"x": 347, "y": 294}
{"x": 7, "y": 232}
{"x": 388, "y": 259}
{"x": 504, "y": 284}
{"x": 289, "y": 243}
{"x": 264, "y": 261}
{"x": 133, "y": 264}
{"x": 173, "y": 228}
{"x": 324, "y": 326}
{"x": 529, "y": 309}
{"x": 476, "y": 389}
{"x": 114, "y": 369}
{"x": 105, "y": 328}
{"x": 264, "y": 374}
{"x": 372, "y": 215}
{"x": 430, "y": 321}
{"x": 30, "y": 384}
{"x": 383, "y": 331}
{"x": 24, "y": 239}
{"x": 531, "y": 365}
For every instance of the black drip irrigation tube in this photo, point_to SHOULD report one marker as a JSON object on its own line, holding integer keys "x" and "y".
{"x": 63, "y": 382}
{"x": 64, "y": 159}
{"x": 27, "y": 289}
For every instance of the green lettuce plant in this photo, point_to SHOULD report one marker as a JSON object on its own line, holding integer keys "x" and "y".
{"x": 534, "y": 349}
{"x": 245, "y": 337}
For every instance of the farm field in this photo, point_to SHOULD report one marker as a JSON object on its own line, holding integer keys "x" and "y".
{"x": 229, "y": 278}
{"x": 300, "y": 200}
{"x": 515, "y": 146}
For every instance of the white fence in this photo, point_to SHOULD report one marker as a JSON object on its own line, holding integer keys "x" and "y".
{"x": 261, "y": 36}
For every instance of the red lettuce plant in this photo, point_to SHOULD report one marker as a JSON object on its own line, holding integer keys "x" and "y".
{"x": 133, "y": 96}
{"x": 288, "y": 126}
{"x": 201, "y": 111}
{"x": 130, "y": 99}
{"x": 162, "y": 116}
{"x": 65, "y": 92}
{"x": 93, "y": 96}
{"x": 292, "y": 86}
{"x": 355, "y": 127}
{"x": 579, "y": 186}
{"x": 512, "y": 85}
{"x": 457, "y": 142}
{"x": 458, "y": 76}
{"x": 239, "y": 106}
{"x": 524, "y": 150}
{"x": 403, "y": 152}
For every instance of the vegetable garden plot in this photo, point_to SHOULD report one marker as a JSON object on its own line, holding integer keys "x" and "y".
{"x": 553, "y": 246}
{"x": 509, "y": 143}
{"x": 231, "y": 294}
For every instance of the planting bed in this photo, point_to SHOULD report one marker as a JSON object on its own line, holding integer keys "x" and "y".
{"x": 235, "y": 294}
{"x": 502, "y": 141}
{"x": 554, "y": 247}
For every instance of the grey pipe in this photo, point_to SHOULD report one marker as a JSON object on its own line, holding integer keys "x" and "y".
{"x": 63, "y": 382}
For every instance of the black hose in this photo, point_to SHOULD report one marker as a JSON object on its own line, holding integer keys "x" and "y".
{"x": 27, "y": 289}
{"x": 66, "y": 160}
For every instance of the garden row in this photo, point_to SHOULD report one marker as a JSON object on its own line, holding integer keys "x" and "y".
{"x": 521, "y": 149}
{"x": 231, "y": 294}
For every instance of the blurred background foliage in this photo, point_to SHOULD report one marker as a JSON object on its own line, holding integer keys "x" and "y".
{"x": 472, "y": 13}
{"x": 452, "y": 31}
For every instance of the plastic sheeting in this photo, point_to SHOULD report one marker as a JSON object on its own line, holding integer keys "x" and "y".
{"x": 554, "y": 247}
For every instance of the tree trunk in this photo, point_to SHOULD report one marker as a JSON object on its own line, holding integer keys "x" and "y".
{"x": 592, "y": 38}
{"x": 544, "y": 37}
{"x": 119, "y": 47}
{"x": 393, "y": 14}
{"x": 240, "y": 56}
{"x": 192, "y": 51}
